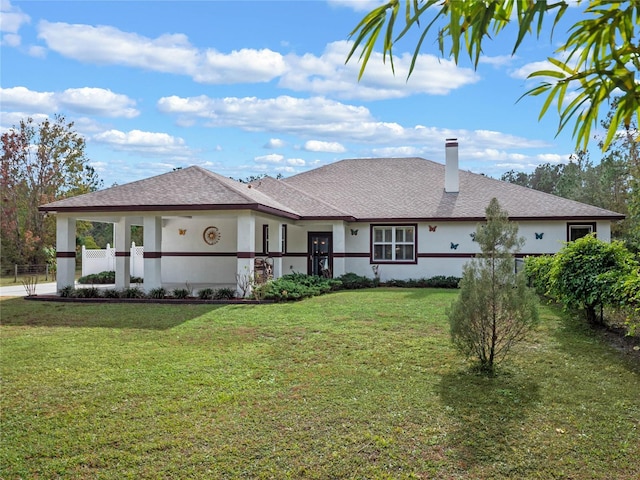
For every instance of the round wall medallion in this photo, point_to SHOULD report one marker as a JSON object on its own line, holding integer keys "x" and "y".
{"x": 211, "y": 235}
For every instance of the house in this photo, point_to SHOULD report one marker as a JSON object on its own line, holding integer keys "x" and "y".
{"x": 406, "y": 217}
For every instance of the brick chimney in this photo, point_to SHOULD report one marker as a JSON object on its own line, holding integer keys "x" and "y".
{"x": 451, "y": 180}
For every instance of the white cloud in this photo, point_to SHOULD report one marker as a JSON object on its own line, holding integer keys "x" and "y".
{"x": 403, "y": 151}
{"x": 89, "y": 101}
{"x": 274, "y": 143}
{"x": 357, "y": 5}
{"x": 11, "y": 18}
{"x": 144, "y": 143}
{"x": 296, "y": 162}
{"x": 322, "y": 75}
{"x": 319, "y": 146}
{"x": 11, "y": 40}
{"x": 324, "y": 120}
{"x": 36, "y": 51}
{"x": 328, "y": 74}
{"x": 105, "y": 45}
{"x": 498, "y": 60}
{"x": 170, "y": 53}
{"x": 524, "y": 71}
{"x": 246, "y": 65}
{"x": 21, "y": 98}
{"x": 97, "y": 101}
{"x": 10, "y": 119}
{"x": 271, "y": 158}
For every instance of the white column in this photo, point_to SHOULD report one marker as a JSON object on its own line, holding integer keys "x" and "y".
{"x": 277, "y": 252}
{"x": 246, "y": 248}
{"x": 123, "y": 252}
{"x": 339, "y": 249}
{"x": 65, "y": 252}
{"x": 152, "y": 236}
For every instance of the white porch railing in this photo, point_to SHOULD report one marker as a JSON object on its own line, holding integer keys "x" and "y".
{"x": 104, "y": 260}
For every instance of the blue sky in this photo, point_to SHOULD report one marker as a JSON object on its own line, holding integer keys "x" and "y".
{"x": 251, "y": 87}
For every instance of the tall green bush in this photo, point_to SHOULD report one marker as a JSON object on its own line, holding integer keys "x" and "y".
{"x": 586, "y": 275}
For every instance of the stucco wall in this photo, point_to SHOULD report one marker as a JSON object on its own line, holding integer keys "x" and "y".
{"x": 187, "y": 257}
{"x": 199, "y": 266}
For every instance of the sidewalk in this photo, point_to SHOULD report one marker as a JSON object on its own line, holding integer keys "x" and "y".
{"x": 48, "y": 288}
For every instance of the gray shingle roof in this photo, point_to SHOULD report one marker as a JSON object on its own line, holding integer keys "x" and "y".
{"x": 192, "y": 188}
{"x": 356, "y": 189}
{"x": 398, "y": 188}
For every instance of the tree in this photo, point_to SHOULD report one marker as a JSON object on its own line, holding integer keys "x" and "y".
{"x": 586, "y": 275}
{"x": 598, "y": 61}
{"x": 40, "y": 163}
{"x": 495, "y": 308}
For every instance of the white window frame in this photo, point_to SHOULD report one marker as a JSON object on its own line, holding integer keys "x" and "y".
{"x": 591, "y": 226}
{"x": 394, "y": 243}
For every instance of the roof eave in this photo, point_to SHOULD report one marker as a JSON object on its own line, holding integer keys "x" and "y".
{"x": 169, "y": 208}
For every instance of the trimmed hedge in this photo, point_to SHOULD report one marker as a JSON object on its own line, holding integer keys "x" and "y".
{"x": 439, "y": 281}
{"x": 103, "y": 278}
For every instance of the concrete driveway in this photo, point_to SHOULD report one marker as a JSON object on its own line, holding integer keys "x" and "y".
{"x": 19, "y": 291}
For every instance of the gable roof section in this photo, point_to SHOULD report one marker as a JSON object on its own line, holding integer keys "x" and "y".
{"x": 308, "y": 206}
{"x": 413, "y": 188}
{"x": 192, "y": 188}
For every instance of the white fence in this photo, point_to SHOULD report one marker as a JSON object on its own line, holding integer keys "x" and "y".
{"x": 104, "y": 260}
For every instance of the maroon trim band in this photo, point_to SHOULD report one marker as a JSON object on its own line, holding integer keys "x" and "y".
{"x": 198, "y": 254}
{"x": 446, "y": 255}
{"x": 152, "y": 255}
{"x": 123, "y": 254}
{"x": 65, "y": 254}
{"x": 246, "y": 254}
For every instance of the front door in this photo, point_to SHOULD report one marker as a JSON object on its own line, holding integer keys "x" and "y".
{"x": 320, "y": 251}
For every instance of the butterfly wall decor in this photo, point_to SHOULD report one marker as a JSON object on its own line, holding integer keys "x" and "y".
{"x": 432, "y": 228}
{"x": 354, "y": 231}
{"x": 539, "y": 235}
{"x": 473, "y": 236}
{"x": 454, "y": 246}
{"x": 182, "y": 231}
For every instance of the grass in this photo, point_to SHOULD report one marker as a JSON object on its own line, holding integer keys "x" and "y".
{"x": 357, "y": 384}
{"x": 10, "y": 280}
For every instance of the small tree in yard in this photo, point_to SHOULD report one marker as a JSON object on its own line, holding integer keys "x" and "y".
{"x": 495, "y": 308}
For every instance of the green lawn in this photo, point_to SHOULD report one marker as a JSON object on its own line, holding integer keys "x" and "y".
{"x": 360, "y": 384}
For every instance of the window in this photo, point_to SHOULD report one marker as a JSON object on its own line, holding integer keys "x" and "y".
{"x": 283, "y": 245}
{"x": 265, "y": 239}
{"x": 393, "y": 243}
{"x": 579, "y": 230}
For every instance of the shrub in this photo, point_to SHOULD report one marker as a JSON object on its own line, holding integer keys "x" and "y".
{"x": 439, "y": 281}
{"x": 296, "y": 286}
{"x": 104, "y": 278}
{"x": 585, "y": 273}
{"x": 111, "y": 293}
{"x": 101, "y": 278}
{"x": 157, "y": 293}
{"x": 206, "y": 294}
{"x": 180, "y": 293}
{"x": 88, "y": 292}
{"x": 627, "y": 289}
{"x": 224, "y": 294}
{"x": 132, "y": 292}
{"x": 352, "y": 281}
{"x": 537, "y": 270}
{"x": 68, "y": 292}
